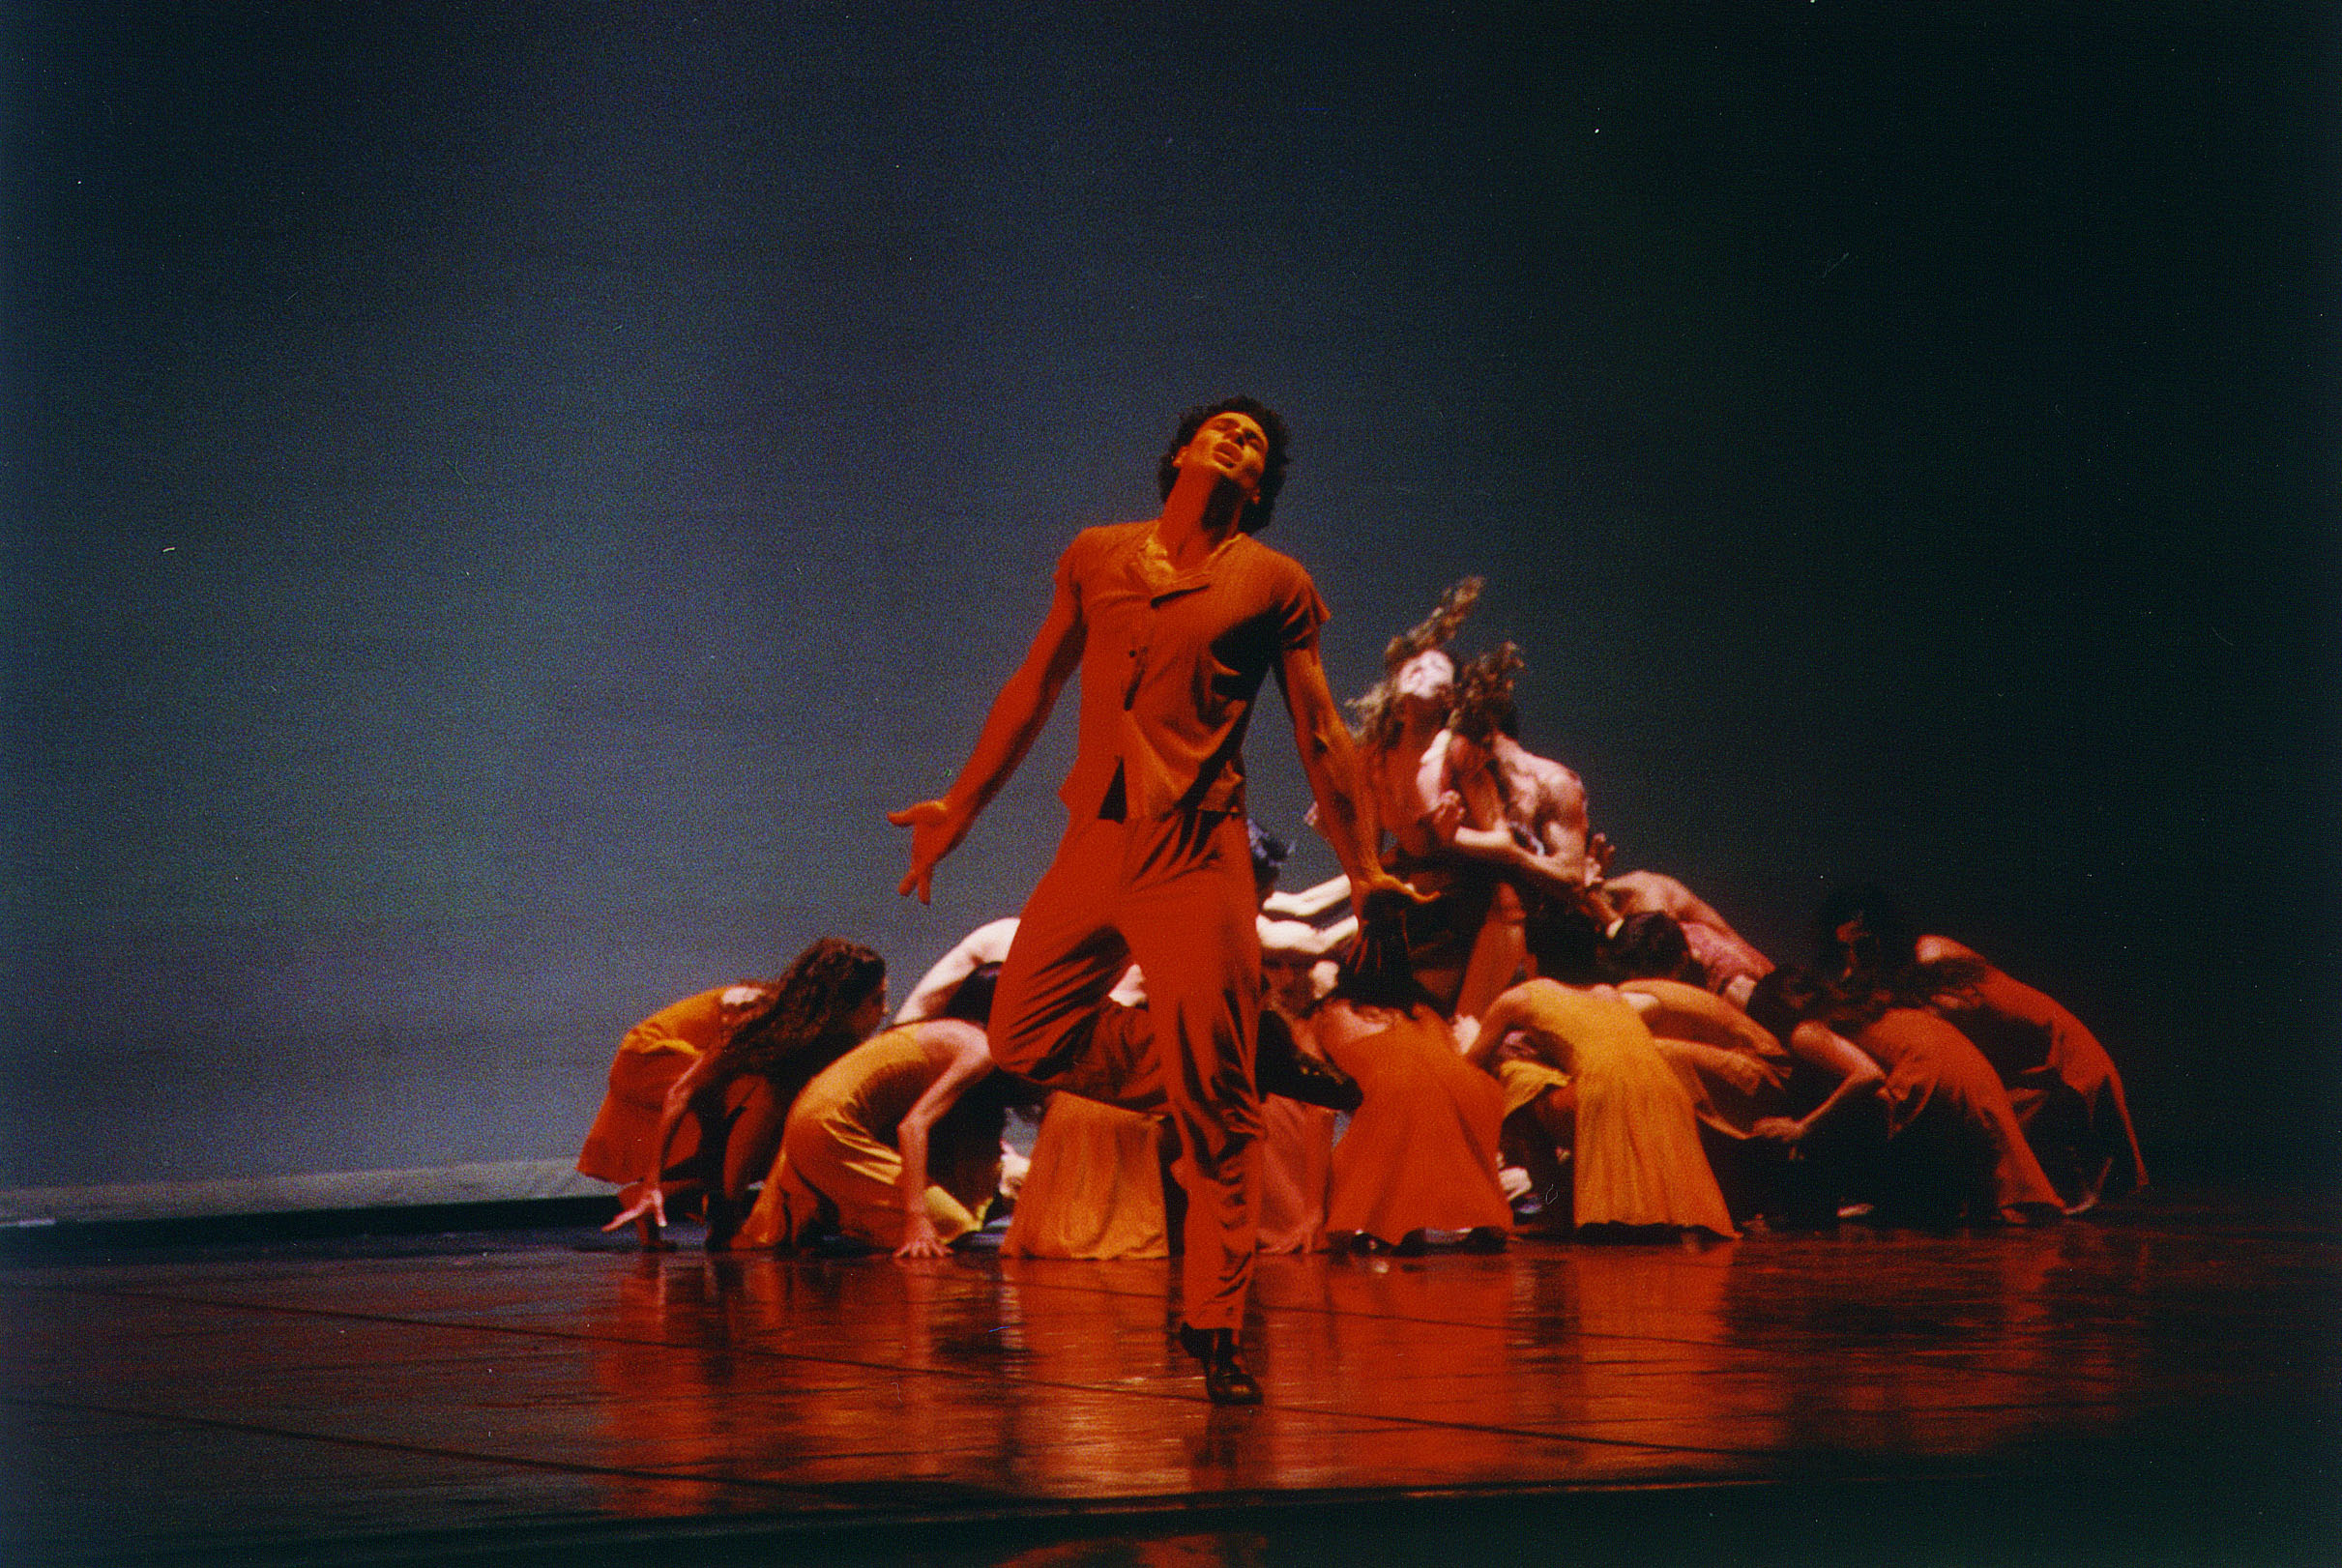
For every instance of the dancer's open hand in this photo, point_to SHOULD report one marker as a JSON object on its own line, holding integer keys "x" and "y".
{"x": 1599, "y": 853}
{"x": 936, "y": 830}
{"x": 653, "y": 1203}
{"x": 920, "y": 1240}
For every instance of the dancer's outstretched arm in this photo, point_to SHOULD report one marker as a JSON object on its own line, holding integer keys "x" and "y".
{"x": 1858, "y": 1078}
{"x": 1345, "y": 811}
{"x": 1309, "y": 903}
{"x": 1017, "y": 717}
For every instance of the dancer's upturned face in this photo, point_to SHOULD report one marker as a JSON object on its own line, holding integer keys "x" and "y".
{"x": 1233, "y": 445}
{"x": 1428, "y": 677}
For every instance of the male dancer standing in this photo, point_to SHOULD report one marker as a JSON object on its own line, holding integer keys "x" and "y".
{"x": 1173, "y": 623}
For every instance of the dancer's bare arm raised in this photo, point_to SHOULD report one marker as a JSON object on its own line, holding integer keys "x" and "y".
{"x": 1019, "y": 715}
{"x": 1345, "y": 813}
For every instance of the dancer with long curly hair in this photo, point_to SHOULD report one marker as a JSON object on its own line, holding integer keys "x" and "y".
{"x": 749, "y": 1050}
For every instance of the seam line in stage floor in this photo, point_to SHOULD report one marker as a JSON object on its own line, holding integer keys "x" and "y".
{"x": 1951, "y": 1357}
{"x": 796, "y": 1494}
{"x": 840, "y": 1505}
{"x": 1239, "y": 1508}
{"x": 891, "y": 1369}
{"x": 781, "y": 1489}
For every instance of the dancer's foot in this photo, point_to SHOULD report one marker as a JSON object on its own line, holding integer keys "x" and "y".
{"x": 2025, "y": 1214}
{"x": 725, "y": 1216}
{"x": 1280, "y": 1067}
{"x": 2091, "y": 1191}
{"x": 1225, "y": 1379}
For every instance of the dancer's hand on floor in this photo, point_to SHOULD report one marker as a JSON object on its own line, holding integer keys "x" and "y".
{"x": 920, "y": 1240}
{"x": 653, "y": 1203}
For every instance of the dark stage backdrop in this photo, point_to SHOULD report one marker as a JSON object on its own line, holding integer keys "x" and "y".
{"x": 500, "y": 498}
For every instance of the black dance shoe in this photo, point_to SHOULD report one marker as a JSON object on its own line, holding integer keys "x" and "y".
{"x": 725, "y": 1218}
{"x": 1279, "y": 1066}
{"x": 1225, "y": 1379}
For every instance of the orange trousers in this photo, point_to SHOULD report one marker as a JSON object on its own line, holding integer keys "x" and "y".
{"x": 1176, "y": 894}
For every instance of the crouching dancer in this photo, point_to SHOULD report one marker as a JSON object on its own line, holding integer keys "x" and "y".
{"x": 1173, "y": 623}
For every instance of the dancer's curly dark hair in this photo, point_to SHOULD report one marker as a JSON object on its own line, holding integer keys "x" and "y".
{"x": 1790, "y": 996}
{"x": 1885, "y": 939}
{"x": 1880, "y": 958}
{"x": 1787, "y": 996}
{"x": 1438, "y": 628}
{"x": 1647, "y": 946}
{"x": 1484, "y": 708}
{"x": 1374, "y": 718}
{"x": 806, "y": 1024}
{"x": 1273, "y": 468}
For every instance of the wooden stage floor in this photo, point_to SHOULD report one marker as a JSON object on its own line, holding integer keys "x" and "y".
{"x": 2155, "y": 1383}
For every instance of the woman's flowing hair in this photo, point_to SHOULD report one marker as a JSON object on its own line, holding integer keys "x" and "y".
{"x": 1483, "y": 696}
{"x": 808, "y": 1023}
{"x": 1483, "y": 709}
{"x": 1374, "y": 718}
{"x": 1873, "y": 950}
{"x": 1789, "y": 995}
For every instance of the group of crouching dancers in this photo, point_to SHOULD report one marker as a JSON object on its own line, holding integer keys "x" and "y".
{"x": 1653, "y": 1073}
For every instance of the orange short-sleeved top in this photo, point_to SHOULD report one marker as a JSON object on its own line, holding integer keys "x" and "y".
{"x": 1172, "y": 664}
{"x": 692, "y": 1027}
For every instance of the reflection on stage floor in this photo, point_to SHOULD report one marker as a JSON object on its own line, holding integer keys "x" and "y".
{"x": 2155, "y": 1378}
